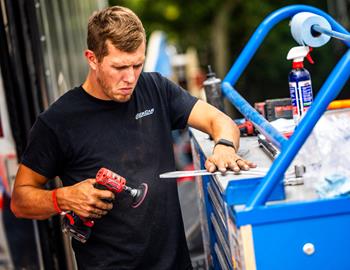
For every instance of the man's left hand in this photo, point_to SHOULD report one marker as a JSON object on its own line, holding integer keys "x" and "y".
{"x": 225, "y": 158}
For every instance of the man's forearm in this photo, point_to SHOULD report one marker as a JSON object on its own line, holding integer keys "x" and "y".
{"x": 223, "y": 127}
{"x": 32, "y": 202}
{"x": 214, "y": 122}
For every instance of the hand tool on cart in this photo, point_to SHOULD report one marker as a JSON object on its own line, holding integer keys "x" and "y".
{"x": 80, "y": 228}
{"x": 247, "y": 128}
{"x": 268, "y": 147}
{"x": 176, "y": 174}
{"x": 291, "y": 177}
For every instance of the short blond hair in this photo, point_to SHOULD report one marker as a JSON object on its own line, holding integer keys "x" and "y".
{"x": 119, "y": 25}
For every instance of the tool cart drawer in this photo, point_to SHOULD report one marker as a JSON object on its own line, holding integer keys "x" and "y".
{"x": 298, "y": 235}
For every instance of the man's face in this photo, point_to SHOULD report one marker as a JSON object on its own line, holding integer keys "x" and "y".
{"x": 118, "y": 72}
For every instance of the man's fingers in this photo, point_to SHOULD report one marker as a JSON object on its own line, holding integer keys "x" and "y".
{"x": 104, "y": 205}
{"x": 92, "y": 181}
{"x": 100, "y": 212}
{"x": 222, "y": 166}
{"x": 228, "y": 163}
{"x": 94, "y": 216}
{"x": 210, "y": 166}
{"x": 242, "y": 164}
{"x": 96, "y": 213}
{"x": 251, "y": 164}
{"x": 105, "y": 194}
{"x": 237, "y": 165}
{"x": 245, "y": 164}
{"x": 100, "y": 200}
{"x": 234, "y": 166}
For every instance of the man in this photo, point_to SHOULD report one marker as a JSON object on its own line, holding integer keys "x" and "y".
{"x": 119, "y": 118}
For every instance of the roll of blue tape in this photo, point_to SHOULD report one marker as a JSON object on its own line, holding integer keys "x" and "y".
{"x": 301, "y": 29}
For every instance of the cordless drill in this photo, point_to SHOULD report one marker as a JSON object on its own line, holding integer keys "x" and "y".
{"x": 80, "y": 228}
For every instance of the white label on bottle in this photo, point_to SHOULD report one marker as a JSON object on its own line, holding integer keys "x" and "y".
{"x": 301, "y": 96}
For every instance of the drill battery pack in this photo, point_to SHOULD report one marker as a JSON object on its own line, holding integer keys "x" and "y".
{"x": 76, "y": 227}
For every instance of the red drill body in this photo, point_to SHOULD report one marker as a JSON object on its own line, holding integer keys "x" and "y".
{"x": 80, "y": 228}
{"x": 110, "y": 180}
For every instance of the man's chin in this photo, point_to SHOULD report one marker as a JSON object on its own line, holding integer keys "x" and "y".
{"x": 121, "y": 98}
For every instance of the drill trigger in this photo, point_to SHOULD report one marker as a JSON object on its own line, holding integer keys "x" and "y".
{"x": 70, "y": 218}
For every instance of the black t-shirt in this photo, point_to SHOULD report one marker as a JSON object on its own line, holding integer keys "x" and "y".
{"x": 79, "y": 134}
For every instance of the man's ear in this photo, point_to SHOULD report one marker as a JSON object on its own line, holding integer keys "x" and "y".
{"x": 91, "y": 58}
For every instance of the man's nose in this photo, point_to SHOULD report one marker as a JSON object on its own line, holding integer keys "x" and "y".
{"x": 129, "y": 75}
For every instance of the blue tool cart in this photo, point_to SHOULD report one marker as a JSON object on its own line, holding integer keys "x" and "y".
{"x": 255, "y": 222}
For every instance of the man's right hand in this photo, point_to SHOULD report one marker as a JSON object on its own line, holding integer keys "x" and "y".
{"x": 85, "y": 200}
{"x": 31, "y": 200}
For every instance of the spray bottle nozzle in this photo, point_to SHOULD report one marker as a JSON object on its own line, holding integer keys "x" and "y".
{"x": 308, "y": 56}
{"x": 210, "y": 73}
{"x": 297, "y": 54}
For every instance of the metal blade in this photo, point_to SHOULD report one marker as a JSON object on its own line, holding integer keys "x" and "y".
{"x": 176, "y": 174}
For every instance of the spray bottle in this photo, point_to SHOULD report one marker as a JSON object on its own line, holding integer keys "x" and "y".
{"x": 300, "y": 82}
{"x": 212, "y": 88}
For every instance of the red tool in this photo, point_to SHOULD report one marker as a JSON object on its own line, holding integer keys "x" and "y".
{"x": 80, "y": 228}
{"x": 246, "y": 128}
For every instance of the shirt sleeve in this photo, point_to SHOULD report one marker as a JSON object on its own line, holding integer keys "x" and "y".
{"x": 43, "y": 153}
{"x": 180, "y": 102}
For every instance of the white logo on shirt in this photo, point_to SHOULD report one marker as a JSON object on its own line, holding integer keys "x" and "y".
{"x": 144, "y": 113}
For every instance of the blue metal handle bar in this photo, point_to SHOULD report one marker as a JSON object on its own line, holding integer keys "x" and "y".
{"x": 251, "y": 114}
{"x": 264, "y": 28}
{"x": 329, "y": 91}
{"x": 331, "y": 33}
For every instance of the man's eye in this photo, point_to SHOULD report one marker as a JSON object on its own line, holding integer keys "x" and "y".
{"x": 138, "y": 66}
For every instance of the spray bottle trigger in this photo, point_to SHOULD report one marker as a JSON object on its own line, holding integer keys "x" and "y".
{"x": 308, "y": 56}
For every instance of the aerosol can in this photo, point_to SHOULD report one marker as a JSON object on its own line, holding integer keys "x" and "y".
{"x": 300, "y": 82}
{"x": 212, "y": 88}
